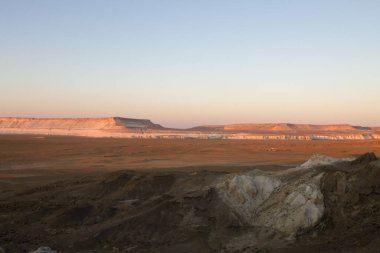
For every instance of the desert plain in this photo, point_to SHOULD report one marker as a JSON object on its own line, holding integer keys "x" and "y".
{"x": 76, "y": 194}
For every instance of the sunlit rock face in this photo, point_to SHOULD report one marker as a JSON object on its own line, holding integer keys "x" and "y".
{"x": 76, "y": 123}
{"x": 320, "y": 160}
{"x": 89, "y": 127}
{"x": 246, "y": 193}
{"x": 118, "y": 127}
{"x": 288, "y": 202}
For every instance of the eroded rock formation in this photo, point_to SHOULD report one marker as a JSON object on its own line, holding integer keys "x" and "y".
{"x": 323, "y": 205}
{"x": 118, "y": 127}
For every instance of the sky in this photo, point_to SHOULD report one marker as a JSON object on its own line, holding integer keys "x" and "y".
{"x": 183, "y": 63}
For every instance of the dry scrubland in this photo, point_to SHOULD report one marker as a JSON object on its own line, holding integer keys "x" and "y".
{"x": 144, "y": 195}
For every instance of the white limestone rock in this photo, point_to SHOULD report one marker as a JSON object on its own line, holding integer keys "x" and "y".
{"x": 288, "y": 201}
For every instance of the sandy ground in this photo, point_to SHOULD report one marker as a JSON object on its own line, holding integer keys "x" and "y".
{"x": 55, "y": 190}
{"x": 30, "y": 160}
{"x": 24, "y": 156}
{"x": 26, "y": 152}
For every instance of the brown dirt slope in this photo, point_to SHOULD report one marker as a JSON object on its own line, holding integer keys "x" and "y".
{"x": 129, "y": 211}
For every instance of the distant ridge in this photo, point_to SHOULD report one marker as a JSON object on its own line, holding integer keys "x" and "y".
{"x": 281, "y": 127}
{"x": 119, "y": 127}
{"x": 110, "y": 123}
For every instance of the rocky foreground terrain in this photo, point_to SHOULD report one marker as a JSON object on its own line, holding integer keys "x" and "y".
{"x": 118, "y": 127}
{"x": 324, "y": 205}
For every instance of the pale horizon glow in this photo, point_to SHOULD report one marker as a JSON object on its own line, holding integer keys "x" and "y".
{"x": 188, "y": 63}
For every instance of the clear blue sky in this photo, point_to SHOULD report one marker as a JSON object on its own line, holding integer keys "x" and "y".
{"x": 183, "y": 63}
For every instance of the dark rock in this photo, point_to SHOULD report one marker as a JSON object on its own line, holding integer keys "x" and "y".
{"x": 365, "y": 159}
{"x": 43, "y": 249}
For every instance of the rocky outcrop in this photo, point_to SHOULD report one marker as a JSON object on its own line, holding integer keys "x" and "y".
{"x": 283, "y": 127}
{"x": 303, "y": 137}
{"x": 366, "y": 158}
{"x": 323, "y": 205}
{"x": 90, "y": 127}
{"x": 289, "y": 202}
{"x": 76, "y": 123}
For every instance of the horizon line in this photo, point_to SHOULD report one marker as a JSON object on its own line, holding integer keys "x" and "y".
{"x": 194, "y": 126}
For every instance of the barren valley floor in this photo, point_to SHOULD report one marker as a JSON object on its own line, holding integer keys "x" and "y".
{"x": 150, "y": 195}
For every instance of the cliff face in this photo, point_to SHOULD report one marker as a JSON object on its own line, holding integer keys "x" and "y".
{"x": 136, "y": 123}
{"x": 142, "y": 128}
{"x": 91, "y": 127}
{"x": 284, "y": 128}
{"x": 76, "y": 123}
{"x": 31, "y": 123}
{"x": 307, "y": 137}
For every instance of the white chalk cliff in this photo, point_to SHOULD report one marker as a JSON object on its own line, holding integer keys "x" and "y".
{"x": 91, "y": 127}
{"x": 141, "y": 128}
{"x": 289, "y": 201}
